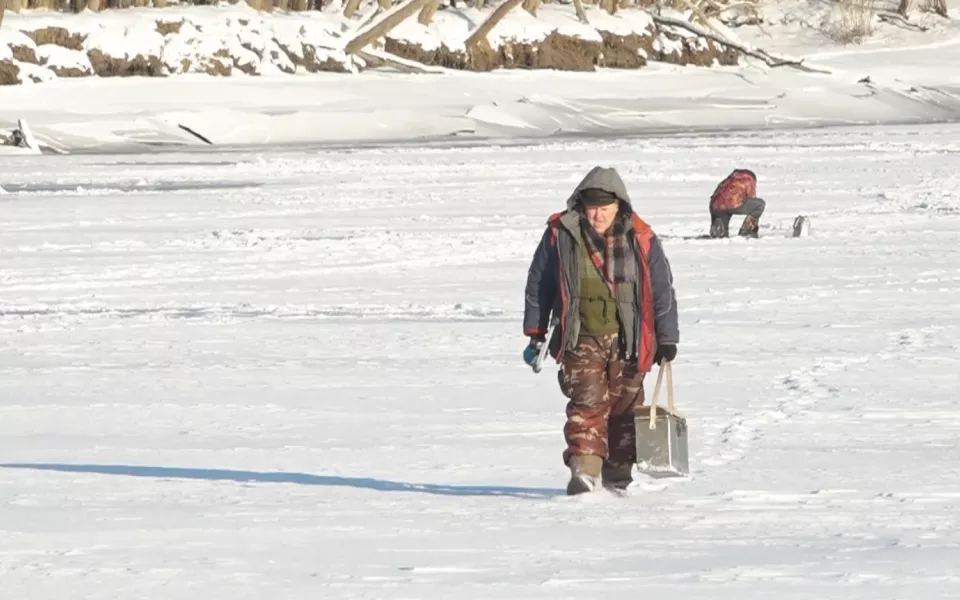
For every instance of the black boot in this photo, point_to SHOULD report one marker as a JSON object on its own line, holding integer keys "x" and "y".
{"x": 617, "y": 476}
{"x": 718, "y": 228}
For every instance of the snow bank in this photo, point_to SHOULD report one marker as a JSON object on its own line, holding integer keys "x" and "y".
{"x": 64, "y": 62}
{"x": 228, "y": 40}
{"x": 31, "y": 73}
{"x": 15, "y": 44}
{"x": 907, "y": 80}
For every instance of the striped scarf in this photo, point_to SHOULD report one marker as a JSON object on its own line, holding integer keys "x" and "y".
{"x": 608, "y": 253}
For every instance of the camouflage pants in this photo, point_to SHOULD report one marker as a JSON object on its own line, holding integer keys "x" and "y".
{"x": 603, "y": 391}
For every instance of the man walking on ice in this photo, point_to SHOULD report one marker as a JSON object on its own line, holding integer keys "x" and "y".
{"x": 602, "y": 272}
{"x": 736, "y": 195}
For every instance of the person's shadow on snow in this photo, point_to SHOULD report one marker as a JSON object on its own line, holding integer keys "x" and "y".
{"x": 381, "y": 485}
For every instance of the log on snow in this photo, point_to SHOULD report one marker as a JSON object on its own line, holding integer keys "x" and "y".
{"x": 388, "y": 20}
{"x": 766, "y": 57}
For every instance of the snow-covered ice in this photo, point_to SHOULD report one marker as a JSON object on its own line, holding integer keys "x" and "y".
{"x": 297, "y": 375}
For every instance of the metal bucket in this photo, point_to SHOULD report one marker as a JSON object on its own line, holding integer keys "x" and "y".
{"x": 661, "y": 435}
{"x": 801, "y": 226}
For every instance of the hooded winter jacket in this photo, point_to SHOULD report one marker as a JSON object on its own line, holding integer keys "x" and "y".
{"x": 646, "y": 301}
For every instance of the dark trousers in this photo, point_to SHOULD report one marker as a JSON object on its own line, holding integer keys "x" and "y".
{"x": 752, "y": 207}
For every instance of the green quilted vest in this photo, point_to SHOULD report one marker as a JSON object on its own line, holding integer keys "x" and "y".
{"x": 598, "y": 307}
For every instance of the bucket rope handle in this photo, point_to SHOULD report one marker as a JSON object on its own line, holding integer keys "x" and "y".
{"x": 671, "y": 407}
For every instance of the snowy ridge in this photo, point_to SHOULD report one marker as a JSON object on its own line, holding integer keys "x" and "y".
{"x": 495, "y": 107}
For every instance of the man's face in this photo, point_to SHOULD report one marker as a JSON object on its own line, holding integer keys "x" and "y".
{"x": 601, "y": 217}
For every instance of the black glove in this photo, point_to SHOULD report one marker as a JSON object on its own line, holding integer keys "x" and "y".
{"x": 665, "y": 352}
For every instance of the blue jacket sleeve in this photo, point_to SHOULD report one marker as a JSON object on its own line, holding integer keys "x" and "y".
{"x": 542, "y": 287}
{"x": 666, "y": 321}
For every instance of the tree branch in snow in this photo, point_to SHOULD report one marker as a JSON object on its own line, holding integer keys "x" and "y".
{"x": 378, "y": 59}
{"x": 381, "y": 27}
{"x": 490, "y": 23}
{"x": 901, "y": 20}
{"x": 748, "y": 5}
{"x": 699, "y": 13}
{"x": 940, "y": 7}
{"x": 426, "y": 15}
{"x": 581, "y": 14}
{"x": 365, "y": 21}
{"x": 748, "y": 8}
{"x": 936, "y": 6}
{"x": 351, "y": 8}
{"x": 766, "y": 57}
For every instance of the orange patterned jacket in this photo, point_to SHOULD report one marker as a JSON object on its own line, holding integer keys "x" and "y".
{"x": 732, "y": 191}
